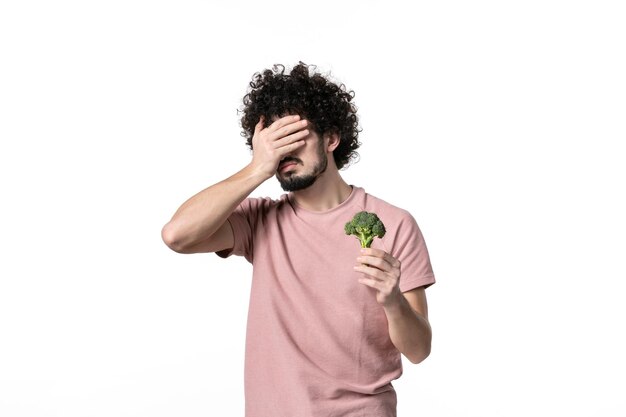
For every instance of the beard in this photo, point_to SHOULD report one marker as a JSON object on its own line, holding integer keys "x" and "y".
{"x": 292, "y": 182}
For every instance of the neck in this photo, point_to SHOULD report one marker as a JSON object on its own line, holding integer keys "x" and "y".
{"x": 328, "y": 191}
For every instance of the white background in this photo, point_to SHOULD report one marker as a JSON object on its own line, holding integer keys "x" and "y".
{"x": 496, "y": 124}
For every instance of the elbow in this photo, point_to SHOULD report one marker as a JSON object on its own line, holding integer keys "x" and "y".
{"x": 422, "y": 350}
{"x": 169, "y": 237}
{"x": 420, "y": 356}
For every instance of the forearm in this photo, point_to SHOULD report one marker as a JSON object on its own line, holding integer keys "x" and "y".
{"x": 201, "y": 215}
{"x": 409, "y": 331}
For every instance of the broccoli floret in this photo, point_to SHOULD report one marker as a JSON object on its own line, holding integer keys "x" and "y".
{"x": 365, "y": 226}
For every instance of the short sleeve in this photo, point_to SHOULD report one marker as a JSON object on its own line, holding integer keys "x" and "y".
{"x": 409, "y": 247}
{"x": 242, "y": 221}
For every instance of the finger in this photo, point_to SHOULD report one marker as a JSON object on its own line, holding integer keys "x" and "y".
{"x": 371, "y": 283}
{"x": 373, "y": 252}
{"x": 379, "y": 263}
{"x": 259, "y": 126}
{"x": 294, "y": 137}
{"x": 287, "y": 149}
{"x": 288, "y": 129}
{"x": 381, "y": 254}
{"x": 283, "y": 121}
{"x": 392, "y": 261}
{"x": 374, "y": 273}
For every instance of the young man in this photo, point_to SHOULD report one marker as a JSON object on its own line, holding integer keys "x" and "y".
{"x": 327, "y": 320}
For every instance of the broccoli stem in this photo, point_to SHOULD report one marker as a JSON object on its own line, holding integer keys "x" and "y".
{"x": 366, "y": 240}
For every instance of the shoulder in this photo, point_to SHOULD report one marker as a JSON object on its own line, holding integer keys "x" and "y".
{"x": 400, "y": 224}
{"x": 263, "y": 205}
{"x": 385, "y": 210}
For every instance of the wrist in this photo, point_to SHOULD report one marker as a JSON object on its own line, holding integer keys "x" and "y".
{"x": 257, "y": 174}
{"x": 396, "y": 305}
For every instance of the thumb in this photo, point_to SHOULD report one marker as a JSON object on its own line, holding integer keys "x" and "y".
{"x": 259, "y": 125}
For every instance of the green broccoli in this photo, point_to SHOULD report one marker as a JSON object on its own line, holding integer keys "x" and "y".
{"x": 365, "y": 226}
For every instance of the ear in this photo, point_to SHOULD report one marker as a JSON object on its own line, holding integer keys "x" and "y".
{"x": 333, "y": 141}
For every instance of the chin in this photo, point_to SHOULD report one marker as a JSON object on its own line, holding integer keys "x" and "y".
{"x": 296, "y": 183}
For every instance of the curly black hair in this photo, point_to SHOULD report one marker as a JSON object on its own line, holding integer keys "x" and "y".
{"x": 312, "y": 96}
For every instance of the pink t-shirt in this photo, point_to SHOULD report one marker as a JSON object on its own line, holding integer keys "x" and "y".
{"x": 317, "y": 342}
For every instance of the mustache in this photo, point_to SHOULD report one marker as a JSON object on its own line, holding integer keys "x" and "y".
{"x": 290, "y": 159}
